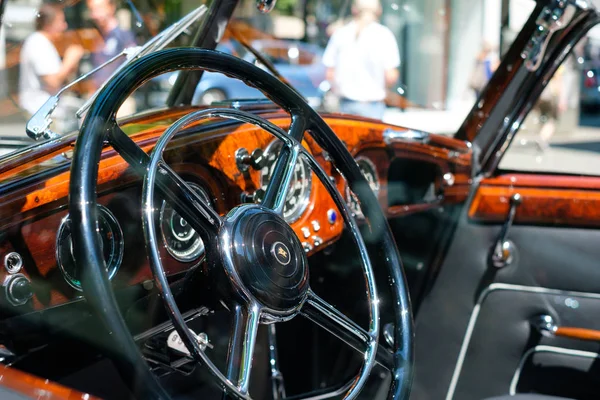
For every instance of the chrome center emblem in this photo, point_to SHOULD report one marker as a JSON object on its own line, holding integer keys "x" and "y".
{"x": 281, "y": 253}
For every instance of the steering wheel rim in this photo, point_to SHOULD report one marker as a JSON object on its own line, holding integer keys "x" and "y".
{"x": 255, "y": 307}
{"x": 100, "y": 124}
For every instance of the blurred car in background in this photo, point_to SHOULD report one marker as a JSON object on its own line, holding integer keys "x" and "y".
{"x": 590, "y": 87}
{"x": 299, "y": 63}
{"x": 589, "y": 63}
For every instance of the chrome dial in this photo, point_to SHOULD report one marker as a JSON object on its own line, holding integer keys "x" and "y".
{"x": 369, "y": 171}
{"x": 298, "y": 194}
{"x": 111, "y": 240}
{"x": 179, "y": 238}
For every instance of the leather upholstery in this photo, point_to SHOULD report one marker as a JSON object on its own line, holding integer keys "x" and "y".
{"x": 551, "y": 257}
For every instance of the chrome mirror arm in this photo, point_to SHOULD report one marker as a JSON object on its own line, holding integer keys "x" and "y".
{"x": 38, "y": 125}
{"x": 130, "y": 53}
{"x": 159, "y": 42}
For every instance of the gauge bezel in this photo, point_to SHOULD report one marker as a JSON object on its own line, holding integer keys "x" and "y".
{"x": 358, "y": 212}
{"x": 117, "y": 239}
{"x": 304, "y": 202}
{"x": 196, "y": 255}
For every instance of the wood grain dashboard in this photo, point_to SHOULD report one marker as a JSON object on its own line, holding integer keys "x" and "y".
{"x": 33, "y": 206}
{"x": 546, "y": 200}
{"x": 32, "y": 386}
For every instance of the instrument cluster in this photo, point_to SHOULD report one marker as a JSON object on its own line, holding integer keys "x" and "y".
{"x": 112, "y": 243}
{"x": 369, "y": 171}
{"x": 180, "y": 239}
{"x": 298, "y": 195}
{"x": 184, "y": 244}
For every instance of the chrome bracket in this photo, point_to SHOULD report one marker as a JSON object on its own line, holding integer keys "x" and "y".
{"x": 503, "y": 253}
{"x": 38, "y": 126}
{"x": 554, "y": 17}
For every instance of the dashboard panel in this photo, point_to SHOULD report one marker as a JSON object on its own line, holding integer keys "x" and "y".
{"x": 228, "y": 164}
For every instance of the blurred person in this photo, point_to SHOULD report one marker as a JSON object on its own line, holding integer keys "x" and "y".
{"x": 485, "y": 64}
{"x": 41, "y": 71}
{"x": 553, "y": 102}
{"x": 362, "y": 61}
{"x": 116, "y": 39}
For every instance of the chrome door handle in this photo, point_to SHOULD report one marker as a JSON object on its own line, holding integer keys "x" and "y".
{"x": 503, "y": 251}
{"x": 546, "y": 325}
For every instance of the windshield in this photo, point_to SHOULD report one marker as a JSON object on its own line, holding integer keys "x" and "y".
{"x": 417, "y": 64}
{"x": 45, "y": 46}
{"x": 70, "y": 49}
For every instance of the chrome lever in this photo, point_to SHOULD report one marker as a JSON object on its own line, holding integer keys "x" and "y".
{"x": 503, "y": 252}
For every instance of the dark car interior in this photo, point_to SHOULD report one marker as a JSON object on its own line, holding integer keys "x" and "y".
{"x": 261, "y": 249}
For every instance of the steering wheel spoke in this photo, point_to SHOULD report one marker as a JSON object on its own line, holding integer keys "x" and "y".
{"x": 279, "y": 185}
{"x": 188, "y": 202}
{"x": 331, "y": 319}
{"x": 244, "y": 331}
{"x": 127, "y": 148}
{"x": 171, "y": 186}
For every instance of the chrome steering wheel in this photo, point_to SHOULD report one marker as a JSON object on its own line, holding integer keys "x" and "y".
{"x": 254, "y": 253}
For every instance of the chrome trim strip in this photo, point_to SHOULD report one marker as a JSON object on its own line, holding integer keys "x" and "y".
{"x": 249, "y": 342}
{"x": 409, "y": 135}
{"x": 470, "y": 327}
{"x": 546, "y": 349}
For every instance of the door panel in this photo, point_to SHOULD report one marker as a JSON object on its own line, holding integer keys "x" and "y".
{"x": 502, "y": 335}
{"x": 555, "y": 249}
{"x": 547, "y": 199}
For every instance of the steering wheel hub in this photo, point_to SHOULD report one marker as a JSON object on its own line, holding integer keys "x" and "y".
{"x": 264, "y": 258}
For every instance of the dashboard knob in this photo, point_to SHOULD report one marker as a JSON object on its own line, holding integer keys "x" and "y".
{"x": 243, "y": 159}
{"x": 19, "y": 290}
{"x": 255, "y": 197}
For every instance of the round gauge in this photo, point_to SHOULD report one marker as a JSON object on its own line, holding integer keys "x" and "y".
{"x": 369, "y": 171}
{"x": 298, "y": 194}
{"x": 180, "y": 239}
{"x": 111, "y": 242}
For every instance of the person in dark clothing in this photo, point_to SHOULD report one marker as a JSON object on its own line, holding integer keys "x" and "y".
{"x": 103, "y": 13}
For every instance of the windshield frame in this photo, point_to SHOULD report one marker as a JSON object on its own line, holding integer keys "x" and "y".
{"x": 513, "y": 90}
{"x": 207, "y": 36}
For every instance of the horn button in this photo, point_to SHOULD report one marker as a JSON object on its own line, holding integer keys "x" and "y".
{"x": 265, "y": 257}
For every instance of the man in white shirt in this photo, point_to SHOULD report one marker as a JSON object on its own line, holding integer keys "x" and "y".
{"x": 362, "y": 61}
{"x": 42, "y": 73}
